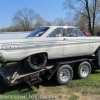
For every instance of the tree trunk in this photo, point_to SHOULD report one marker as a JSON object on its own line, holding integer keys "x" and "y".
{"x": 94, "y": 12}
{"x": 89, "y": 18}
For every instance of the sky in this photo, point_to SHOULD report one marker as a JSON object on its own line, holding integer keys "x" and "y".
{"x": 48, "y": 9}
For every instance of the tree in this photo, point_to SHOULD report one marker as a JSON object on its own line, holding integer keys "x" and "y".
{"x": 23, "y": 19}
{"x": 48, "y": 23}
{"x": 87, "y": 8}
{"x": 82, "y": 23}
{"x": 40, "y": 22}
{"x": 59, "y": 22}
{"x": 3, "y": 30}
{"x": 10, "y": 29}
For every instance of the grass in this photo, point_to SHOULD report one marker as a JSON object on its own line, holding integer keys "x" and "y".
{"x": 73, "y": 97}
{"x": 92, "y": 81}
{"x": 7, "y": 63}
{"x": 70, "y": 91}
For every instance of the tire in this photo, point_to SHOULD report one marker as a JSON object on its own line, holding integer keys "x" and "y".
{"x": 97, "y": 60}
{"x": 83, "y": 70}
{"x": 35, "y": 62}
{"x": 64, "y": 69}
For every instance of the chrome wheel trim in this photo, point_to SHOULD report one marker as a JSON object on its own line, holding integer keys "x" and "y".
{"x": 65, "y": 75}
{"x": 84, "y": 70}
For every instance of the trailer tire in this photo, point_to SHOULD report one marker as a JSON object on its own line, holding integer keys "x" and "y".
{"x": 35, "y": 62}
{"x": 83, "y": 70}
{"x": 64, "y": 74}
{"x": 97, "y": 60}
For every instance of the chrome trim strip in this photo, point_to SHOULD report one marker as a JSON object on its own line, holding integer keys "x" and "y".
{"x": 32, "y": 45}
{"x": 16, "y": 46}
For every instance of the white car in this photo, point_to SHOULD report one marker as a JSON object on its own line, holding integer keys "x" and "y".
{"x": 48, "y": 43}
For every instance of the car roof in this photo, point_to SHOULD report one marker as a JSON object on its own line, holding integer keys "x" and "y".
{"x": 61, "y": 26}
{"x": 54, "y": 27}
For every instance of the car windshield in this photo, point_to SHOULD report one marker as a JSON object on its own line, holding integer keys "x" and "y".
{"x": 38, "y": 32}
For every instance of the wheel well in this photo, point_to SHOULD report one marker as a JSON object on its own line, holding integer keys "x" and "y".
{"x": 43, "y": 53}
{"x": 39, "y": 53}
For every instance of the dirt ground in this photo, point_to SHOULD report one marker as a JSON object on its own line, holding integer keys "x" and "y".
{"x": 63, "y": 93}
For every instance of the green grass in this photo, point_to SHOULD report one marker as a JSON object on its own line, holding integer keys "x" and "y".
{"x": 90, "y": 85}
{"x": 92, "y": 81}
{"x": 8, "y": 63}
{"x": 86, "y": 86}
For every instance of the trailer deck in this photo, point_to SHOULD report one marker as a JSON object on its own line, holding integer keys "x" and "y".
{"x": 17, "y": 73}
{"x": 9, "y": 71}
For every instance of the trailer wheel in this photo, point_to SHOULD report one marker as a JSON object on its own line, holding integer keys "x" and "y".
{"x": 35, "y": 62}
{"x": 84, "y": 70}
{"x": 64, "y": 74}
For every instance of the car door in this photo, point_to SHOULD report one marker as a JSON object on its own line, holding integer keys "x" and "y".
{"x": 75, "y": 43}
{"x": 55, "y": 40}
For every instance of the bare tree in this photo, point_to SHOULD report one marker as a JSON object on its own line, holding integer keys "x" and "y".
{"x": 86, "y": 8}
{"x": 23, "y": 19}
{"x": 82, "y": 24}
{"x": 48, "y": 23}
{"x": 10, "y": 29}
{"x": 3, "y": 30}
{"x": 40, "y": 22}
{"x": 59, "y": 22}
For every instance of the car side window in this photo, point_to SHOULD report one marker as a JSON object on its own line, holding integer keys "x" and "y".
{"x": 72, "y": 32}
{"x": 56, "y": 33}
{"x": 67, "y": 32}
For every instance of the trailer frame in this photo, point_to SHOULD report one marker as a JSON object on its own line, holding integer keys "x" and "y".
{"x": 32, "y": 78}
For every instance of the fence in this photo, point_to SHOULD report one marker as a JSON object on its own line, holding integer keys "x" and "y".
{"x": 13, "y": 35}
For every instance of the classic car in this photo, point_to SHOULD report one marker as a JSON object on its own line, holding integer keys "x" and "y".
{"x": 49, "y": 42}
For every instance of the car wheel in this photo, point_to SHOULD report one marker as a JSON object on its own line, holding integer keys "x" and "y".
{"x": 64, "y": 74}
{"x": 83, "y": 70}
{"x": 35, "y": 62}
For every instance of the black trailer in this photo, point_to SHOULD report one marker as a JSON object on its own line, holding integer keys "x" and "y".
{"x": 62, "y": 69}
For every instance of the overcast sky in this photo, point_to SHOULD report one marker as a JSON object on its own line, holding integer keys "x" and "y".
{"x": 48, "y": 9}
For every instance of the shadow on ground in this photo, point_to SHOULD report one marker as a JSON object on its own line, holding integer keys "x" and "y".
{"x": 20, "y": 88}
{"x": 23, "y": 88}
{"x": 95, "y": 72}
